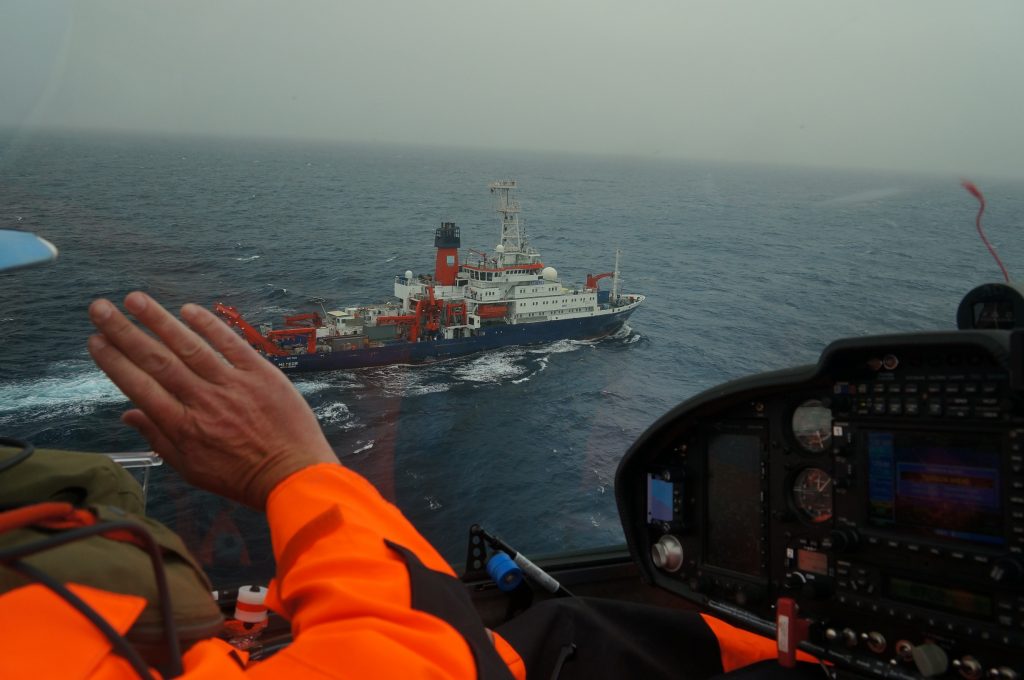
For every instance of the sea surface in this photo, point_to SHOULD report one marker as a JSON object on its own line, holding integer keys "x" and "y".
{"x": 746, "y": 269}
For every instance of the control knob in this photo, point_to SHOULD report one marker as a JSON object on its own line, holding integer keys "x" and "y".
{"x": 667, "y": 553}
{"x": 930, "y": 659}
{"x": 843, "y": 540}
{"x": 847, "y": 636}
{"x": 1002, "y": 673}
{"x": 1007, "y": 571}
{"x": 875, "y": 641}
{"x": 969, "y": 668}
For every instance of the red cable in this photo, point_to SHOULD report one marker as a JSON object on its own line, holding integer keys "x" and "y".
{"x": 976, "y": 192}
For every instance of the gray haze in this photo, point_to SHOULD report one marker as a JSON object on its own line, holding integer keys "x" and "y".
{"x": 915, "y": 85}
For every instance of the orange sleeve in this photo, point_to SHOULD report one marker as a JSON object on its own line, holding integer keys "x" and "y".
{"x": 348, "y": 594}
{"x": 741, "y": 648}
{"x": 510, "y": 656}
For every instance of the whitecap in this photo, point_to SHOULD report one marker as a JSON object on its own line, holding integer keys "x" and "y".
{"x": 432, "y": 502}
{"x": 247, "y": 259}
{"x": 561, "y": 346}
{"x": 429, "y": 389}
{"x": 75, "y": 394}
{"x": 492, "y": 368}
{"x": 364, "y": 447}
{"x": 307, "y": 387}
{"x": 334, "y": 412}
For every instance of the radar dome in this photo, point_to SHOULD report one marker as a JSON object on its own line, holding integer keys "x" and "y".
{"x": 550, "y": 274}
{"x": 499, "y": 248}
{"x": 408, "y": 274}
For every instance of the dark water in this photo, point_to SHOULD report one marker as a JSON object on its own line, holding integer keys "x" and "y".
{"x": 746, "y": 269}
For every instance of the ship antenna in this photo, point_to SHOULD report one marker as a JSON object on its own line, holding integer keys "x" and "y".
{"x": 320, "y": 301}
{"x": 513, "y": 240}
{"x": 615, "y": 278}
{"x": 976, "y": 192}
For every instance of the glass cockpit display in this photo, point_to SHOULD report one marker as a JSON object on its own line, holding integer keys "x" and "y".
{"x": 944, "y": 486}
{"x": 734, "y": 498}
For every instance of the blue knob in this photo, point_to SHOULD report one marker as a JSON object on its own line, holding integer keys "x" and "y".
{"x": 504, "y": 571}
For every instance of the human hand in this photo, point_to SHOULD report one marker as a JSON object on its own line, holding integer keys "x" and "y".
{"x": 235, "y": 428}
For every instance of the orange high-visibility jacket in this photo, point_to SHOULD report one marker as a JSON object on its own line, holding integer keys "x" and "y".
{"x": 367, "y": 597}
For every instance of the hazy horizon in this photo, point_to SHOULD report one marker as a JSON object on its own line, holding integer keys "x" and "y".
{"x": 916, "y": 87}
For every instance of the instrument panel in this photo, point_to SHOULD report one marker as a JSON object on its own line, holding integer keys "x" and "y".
{"x": 880, "y": 491}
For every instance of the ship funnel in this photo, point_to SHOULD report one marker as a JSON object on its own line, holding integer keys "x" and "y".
{"x": 447, "y": 242}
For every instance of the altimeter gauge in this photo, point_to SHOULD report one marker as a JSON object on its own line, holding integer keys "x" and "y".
{"x": 812, "y": 494}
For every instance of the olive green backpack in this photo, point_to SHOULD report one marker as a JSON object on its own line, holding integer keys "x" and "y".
{"x": 94, "y": 482}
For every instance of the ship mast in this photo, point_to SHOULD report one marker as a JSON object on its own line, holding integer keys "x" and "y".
{"x": 513, "y": 236}
{"x": 615, "y": 279}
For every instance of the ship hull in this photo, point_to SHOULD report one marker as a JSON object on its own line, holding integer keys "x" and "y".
{"x": 490, "y": 338}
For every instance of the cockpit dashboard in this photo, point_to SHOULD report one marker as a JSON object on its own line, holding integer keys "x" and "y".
{"x": 868, "y": 509}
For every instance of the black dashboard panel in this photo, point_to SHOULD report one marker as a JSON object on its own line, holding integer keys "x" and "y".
{"x": 881, "y": 491}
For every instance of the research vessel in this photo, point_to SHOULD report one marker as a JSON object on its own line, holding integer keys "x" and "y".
{"x": 471, "y": 303}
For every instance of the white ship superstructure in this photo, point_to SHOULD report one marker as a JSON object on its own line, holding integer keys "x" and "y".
{"x": 484, "y": 301}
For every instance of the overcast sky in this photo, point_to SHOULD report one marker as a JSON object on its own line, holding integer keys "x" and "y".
{"x": 898, "y": 84}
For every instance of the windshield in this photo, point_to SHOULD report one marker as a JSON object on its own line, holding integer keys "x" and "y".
{"x": 775, "y": 177}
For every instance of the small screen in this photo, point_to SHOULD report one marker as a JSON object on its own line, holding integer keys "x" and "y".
{"x": 949, "y": 599}
{"x": 994, "y": 314}
{"x": 939, "y": 485}
{"x": 734, "y": 503}
{"x": 813, "y": 562}
{"x": 659, "y": 499}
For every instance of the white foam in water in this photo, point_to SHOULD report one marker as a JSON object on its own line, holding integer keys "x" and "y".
{"x": 307, "y": 387}
{"x": 247, "y": 259}
{"x": 365, "y": 447}
{"x": 404, "y": 381}
{"x": 335, "y": 412}
{"x": 429, "y": 389}
{"x": 75, "y": 394}
{"x": 562, "y": 346}
{"x": 492, "y": 368}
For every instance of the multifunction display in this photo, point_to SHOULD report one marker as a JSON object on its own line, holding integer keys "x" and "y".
{"x": 939, "y": 485}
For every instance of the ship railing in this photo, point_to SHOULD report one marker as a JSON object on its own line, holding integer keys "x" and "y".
{"x": 133, "y": 460}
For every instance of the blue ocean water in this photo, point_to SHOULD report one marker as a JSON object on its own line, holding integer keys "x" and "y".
{"x": 746, "y": 269}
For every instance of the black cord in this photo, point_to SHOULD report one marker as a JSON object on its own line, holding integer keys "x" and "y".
{"x": 15, "y": 553}
{"x": 26, "y": 450}
{"x": 121, "y": 645}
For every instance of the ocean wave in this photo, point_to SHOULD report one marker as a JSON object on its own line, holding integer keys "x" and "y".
{"x": 308, "y": 387}
{"x": 406, "y": 380}
{"x": 428, "y": 389}
{"x": 863, "y": 196}
{"x": 492, "y": 368}
{"x": 561, "y": 347}
{"x": 53, "y": 397}
{"x": 365, "y": 446}
{"x": 247, "y": 259}
{"x": 333, "y": 413}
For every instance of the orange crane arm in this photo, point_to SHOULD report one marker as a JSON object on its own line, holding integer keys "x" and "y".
{"x": 592, "y": 279}
{"x": 234, "y": 319}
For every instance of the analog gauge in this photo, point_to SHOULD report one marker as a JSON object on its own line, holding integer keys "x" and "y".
{"x": 812, "y": 425}
{"x": 812, "y": 493}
